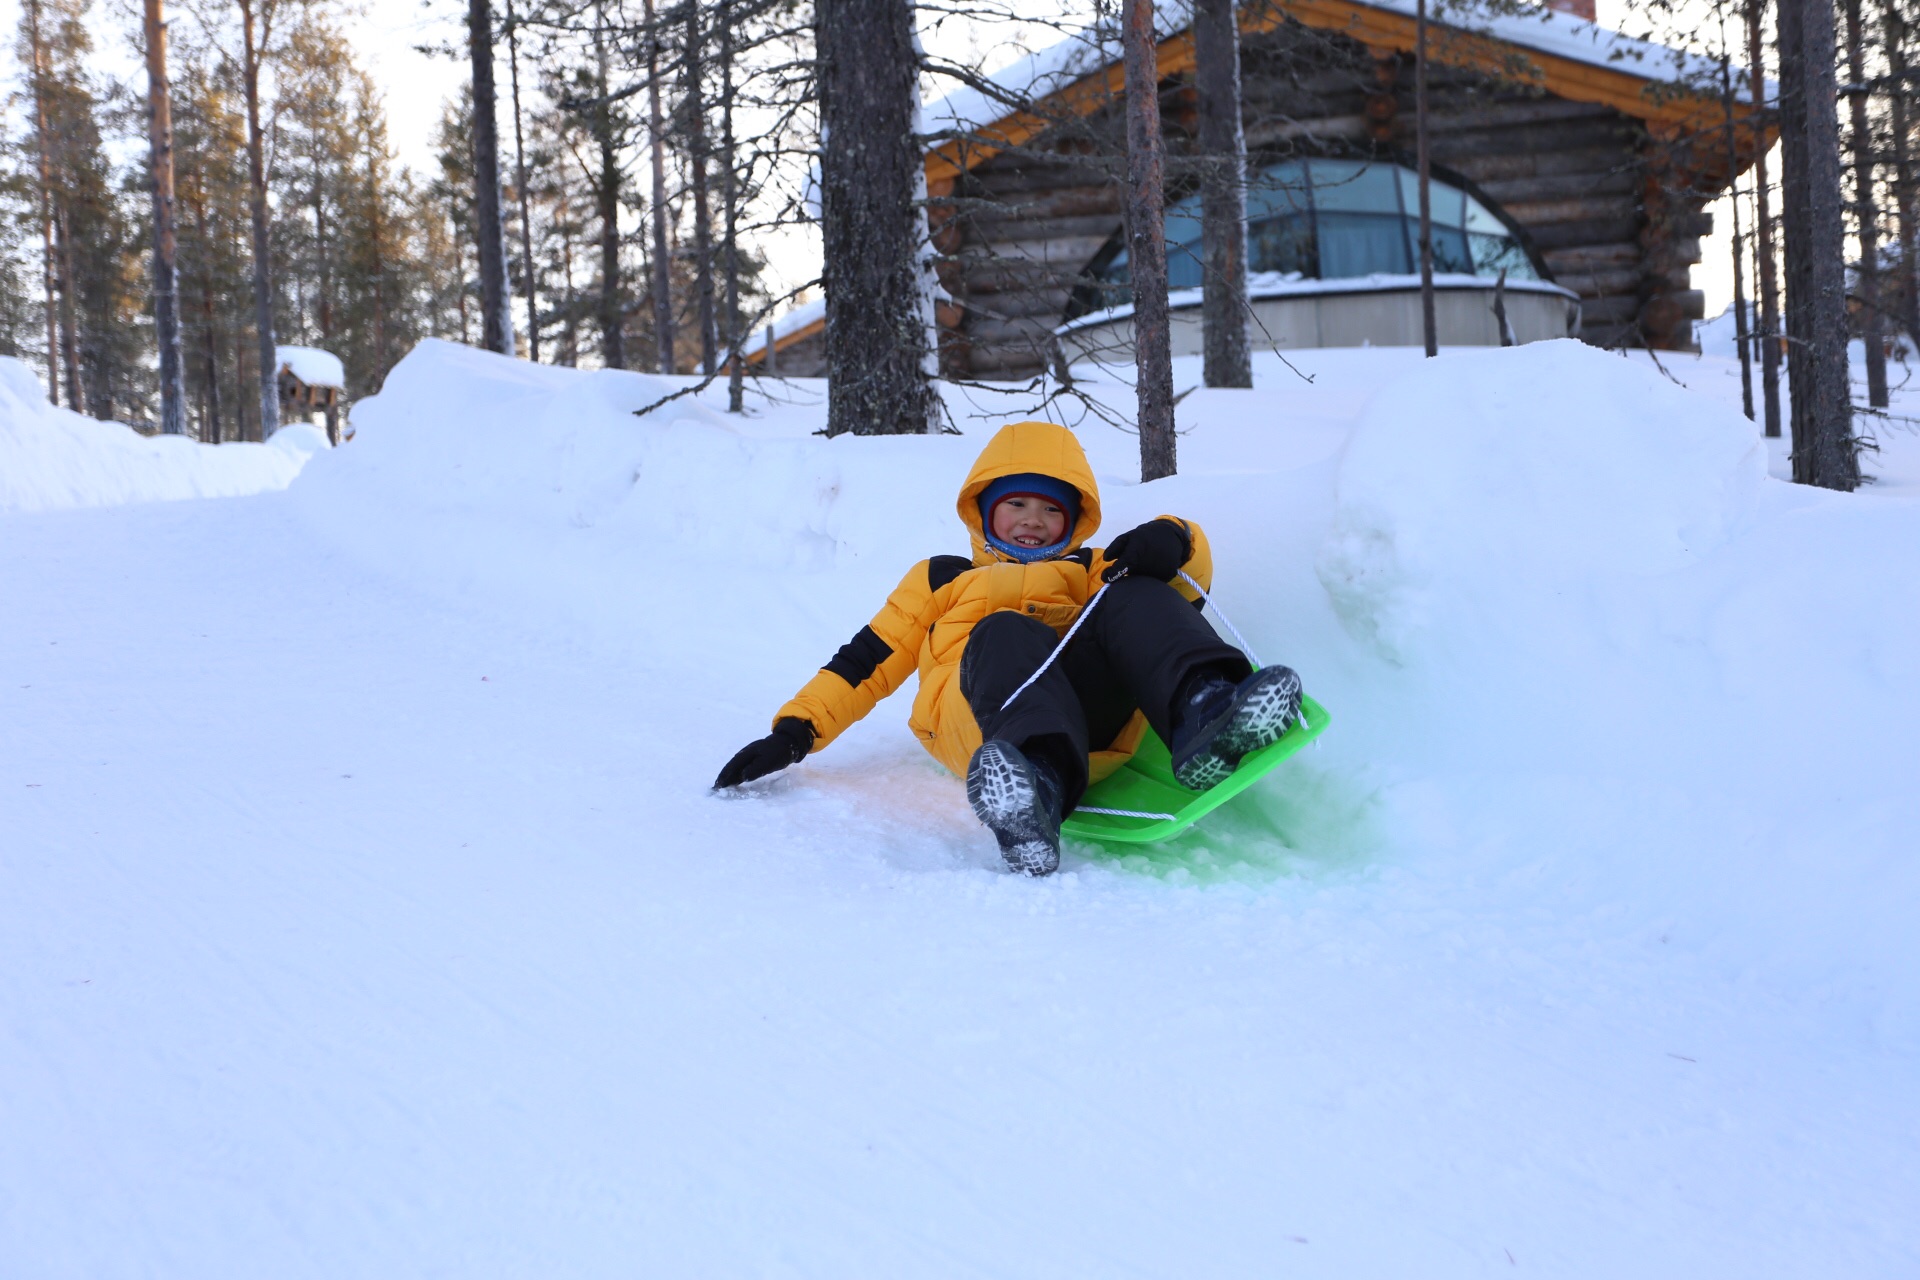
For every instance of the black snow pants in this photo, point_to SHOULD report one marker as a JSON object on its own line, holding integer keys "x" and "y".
{"x": 1142, "y": 642}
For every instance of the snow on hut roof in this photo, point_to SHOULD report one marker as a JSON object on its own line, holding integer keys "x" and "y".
{"x": 312, "y": 366}
{"x": 802, "y": 316}
{"x": 1059, "y": 65}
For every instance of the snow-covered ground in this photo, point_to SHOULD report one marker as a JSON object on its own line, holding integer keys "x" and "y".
{"x": 363, "y": 910}
{"x": 52, "y": 458}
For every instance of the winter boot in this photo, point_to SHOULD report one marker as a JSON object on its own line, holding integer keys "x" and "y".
{"x": 1219, "y": 722}
{"x": 1019, "y": 801}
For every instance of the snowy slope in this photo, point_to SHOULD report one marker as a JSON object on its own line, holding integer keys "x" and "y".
{"x": 375, "y": 919}
{"x": 52, "y": 457}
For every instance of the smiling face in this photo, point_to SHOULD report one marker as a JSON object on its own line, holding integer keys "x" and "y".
{"x": 1026, "y": 520}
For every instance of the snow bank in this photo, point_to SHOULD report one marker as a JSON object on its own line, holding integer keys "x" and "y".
{"x": 1545, "y": 562}
{"x": 1506, "y": 559}
{"x": 1460, "y": 497}
{"x": 533, "y": 487}
{"x": 52, "y": 457}
{"x": 1581, "y": 944}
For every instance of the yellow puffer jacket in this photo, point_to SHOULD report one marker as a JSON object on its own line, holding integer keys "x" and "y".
{"x": 926, "y": 621}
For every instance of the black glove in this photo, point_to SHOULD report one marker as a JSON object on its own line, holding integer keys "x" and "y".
{"x": 789, "y": 743}
{"x": 1155, "y": 549}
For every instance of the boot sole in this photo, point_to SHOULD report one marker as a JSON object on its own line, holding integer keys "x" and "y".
{"x": 1005, "y": 796}
{"x": 1260, "y": 716}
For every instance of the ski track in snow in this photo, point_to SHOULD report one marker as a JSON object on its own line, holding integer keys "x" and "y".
{"x": 345, "y": 931}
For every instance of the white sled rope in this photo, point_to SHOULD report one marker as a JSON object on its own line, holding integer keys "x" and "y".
{"x": 1041, "y": 670}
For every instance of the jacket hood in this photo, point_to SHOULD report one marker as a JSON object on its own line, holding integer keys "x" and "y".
{"x": 1045, "y": 447}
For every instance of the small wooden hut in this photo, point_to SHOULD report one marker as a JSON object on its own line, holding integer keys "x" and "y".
{"x": 312, "y": 380}
{"x": 1581, "y": 161}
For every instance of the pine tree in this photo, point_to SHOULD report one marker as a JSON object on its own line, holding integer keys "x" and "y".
{"x": 490, "y": 239}
{"x": 166, "y": 299}
{"x": 211, "y": 190}
{"x": 97, "y": 276}
{"x": 876, "y": 337}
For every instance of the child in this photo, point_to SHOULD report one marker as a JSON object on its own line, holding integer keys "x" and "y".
{"x": 977, "y": 628}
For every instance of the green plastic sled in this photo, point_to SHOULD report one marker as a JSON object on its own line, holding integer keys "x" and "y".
{"x": 1160, "y": 808}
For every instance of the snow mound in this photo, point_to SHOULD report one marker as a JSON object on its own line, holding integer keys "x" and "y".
{"x": 52, "y": 458}
{"x": 537, "y": 487}
{"x": 1464, "y": 493}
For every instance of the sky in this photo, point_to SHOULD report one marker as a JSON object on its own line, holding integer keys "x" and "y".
{"x": 418, "y": 86}
{"x": 387, "y": 31}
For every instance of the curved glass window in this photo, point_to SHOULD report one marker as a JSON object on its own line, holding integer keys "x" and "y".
{"x": 1334, "y": 219}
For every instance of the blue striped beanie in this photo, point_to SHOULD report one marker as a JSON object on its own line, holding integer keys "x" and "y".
{"x": 1032, "y": 483}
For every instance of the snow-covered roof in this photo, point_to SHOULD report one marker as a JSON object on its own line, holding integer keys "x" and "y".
{"x": 1059, "y": 65}
{"x": 801, "y": 317}
{"x": 312, "y": 366}
{"x": 1275, "y": 284}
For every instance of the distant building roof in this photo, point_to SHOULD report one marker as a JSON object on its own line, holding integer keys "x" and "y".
{"x": 312, "y": 366}
{"x": 1573, "y": 58}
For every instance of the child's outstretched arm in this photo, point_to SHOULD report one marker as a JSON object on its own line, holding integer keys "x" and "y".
{"x": 866, "y": 669}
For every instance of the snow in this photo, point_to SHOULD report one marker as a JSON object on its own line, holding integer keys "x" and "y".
{"x": 52, "y": 457}
{"x": 1291, "y": 284}
{"x": 312, "y": 366}
{"x": 364, "y": 910}
{"x": 1439, "y": 531}
{"x": 807, "y": 313}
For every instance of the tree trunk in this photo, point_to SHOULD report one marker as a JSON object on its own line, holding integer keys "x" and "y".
{"x": 69, "y": 323}
{"x": 1740, "y": 334}
{"x": 1223, "y": 205}
{"x": 496, "y": 301}
{"x": 43, "y": 155}
{"x": 661, "y": 267}
{"x": 1903, "y": 177}
{"x": 1147, "y": 242}
{"x": 730, "y": 206}
{"x": 251, "y": 52}
{"x": 323, "y": 251}
{"x": 697, "y": 174}
{"x": 1866, "y": 212}
{"x": 210, "y": 427}
{"x": 1769, "y": 330}
{"x": 571, "y": 333}
{"x": 376, "y": 242}
{"x": 1507, "y": 338}
{"x": 607, "y": 192}
{"x": 520, "y": 184}
{"x": 166, "y": 279}
{"x": 876, "y": 341}
{"x": 1429, "y": 328}
{"x": 1822, "y": 403}
{"x": 213, "y": 364}
{"x": 460, "y": 258}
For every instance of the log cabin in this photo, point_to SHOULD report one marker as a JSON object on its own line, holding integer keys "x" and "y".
{"x": 311, "y": 379}
{"x": 1570, "y": 161}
